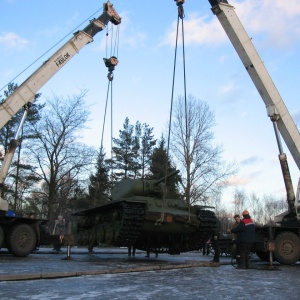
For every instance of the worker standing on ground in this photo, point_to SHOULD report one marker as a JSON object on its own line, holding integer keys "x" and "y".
{"x": 215, "y": 241}
{"x": 245, "y": 239}
{"x": 235, "y": 250}
{"x": 59, "y": 229}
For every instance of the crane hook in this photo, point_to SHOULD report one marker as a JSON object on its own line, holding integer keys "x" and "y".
{"x": 110, "y": 63}
{"x": 180, "y": 8}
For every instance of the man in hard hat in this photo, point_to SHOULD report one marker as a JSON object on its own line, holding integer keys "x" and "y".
{"x": 245, "y": 239}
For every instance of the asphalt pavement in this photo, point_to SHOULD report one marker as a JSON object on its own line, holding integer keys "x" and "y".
{"x": 110, "y": 274}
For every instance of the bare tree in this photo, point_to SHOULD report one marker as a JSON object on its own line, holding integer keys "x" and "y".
{"x": 255, "y": 204}
{"x": 203, "y": 171}
{"x": 272, "y": 207}
{"x": 61, "y": 159}
{"x": 225, "y": 218}
{"x": 240, "y": 201}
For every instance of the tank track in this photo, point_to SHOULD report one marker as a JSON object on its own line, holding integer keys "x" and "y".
{"x": 177, "y": 243}
{"x": 122, "y": 224}
{"x": 133, "y": 220}
{"x": 118, "y": 224}
{"x": 203, "y": 232}
{"x": 208, "y": 223}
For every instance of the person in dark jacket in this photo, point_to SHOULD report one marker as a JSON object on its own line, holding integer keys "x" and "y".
{"x": 59, "y": 229}
{"x": 235, "y": 250}
{"x": 245, "y": 239}
{"x": 215, "y": 241}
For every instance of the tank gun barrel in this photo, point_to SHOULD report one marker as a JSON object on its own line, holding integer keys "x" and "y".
{"x": 158, "y": 181}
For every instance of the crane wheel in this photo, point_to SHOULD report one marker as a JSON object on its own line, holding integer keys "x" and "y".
{"x": 21, "y": 240}
{"x": 287, "y": 248}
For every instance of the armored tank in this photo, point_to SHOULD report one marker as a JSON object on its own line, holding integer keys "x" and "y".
{"x": 139, "y": 216}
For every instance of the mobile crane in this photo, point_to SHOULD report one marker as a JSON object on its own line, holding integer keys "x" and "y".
{"x": 21, "y": 235}
{"x": 282, "y": 239}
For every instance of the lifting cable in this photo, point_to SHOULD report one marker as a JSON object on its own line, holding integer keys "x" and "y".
{"x": 110, "y": 63}
{"x": 181, "y": 16}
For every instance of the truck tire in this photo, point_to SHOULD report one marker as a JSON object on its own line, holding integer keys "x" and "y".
{"x": 287, "y": 248}
{"x": 21, "y": 240}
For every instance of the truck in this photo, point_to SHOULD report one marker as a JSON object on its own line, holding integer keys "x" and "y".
{"x": 20, "y": 235}
{"x": 281, "y": 241}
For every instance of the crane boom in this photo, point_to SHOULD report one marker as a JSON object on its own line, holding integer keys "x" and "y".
{"x": 25, "y": 93}
{"x": 244, "y": 47}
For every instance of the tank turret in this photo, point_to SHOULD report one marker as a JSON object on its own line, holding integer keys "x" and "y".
{"x": 139, "y": 187}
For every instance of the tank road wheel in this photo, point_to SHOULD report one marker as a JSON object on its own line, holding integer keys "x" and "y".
{"x": 287, "y": 248}
{"x": 21, "y": 240}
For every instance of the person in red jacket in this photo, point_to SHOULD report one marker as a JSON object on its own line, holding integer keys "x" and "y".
{"x": 245, "y": 239}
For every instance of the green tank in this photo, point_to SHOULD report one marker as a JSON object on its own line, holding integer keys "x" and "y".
{"x": 138, "y": 216}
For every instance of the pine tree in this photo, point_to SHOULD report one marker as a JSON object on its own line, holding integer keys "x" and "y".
{"x": 160, "y": 163}
{"x": 133, "y": 150}
{"x": 125, "y": 151}
{"x": 147, "y": 145}
{"x": 99, "y": 183}
{"x": 21, "y": 179}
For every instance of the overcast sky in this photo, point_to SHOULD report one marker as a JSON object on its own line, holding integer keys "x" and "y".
{"x": 142, "y": 80}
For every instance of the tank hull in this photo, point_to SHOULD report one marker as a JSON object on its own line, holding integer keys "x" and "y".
{"x": 147, "y": 224}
